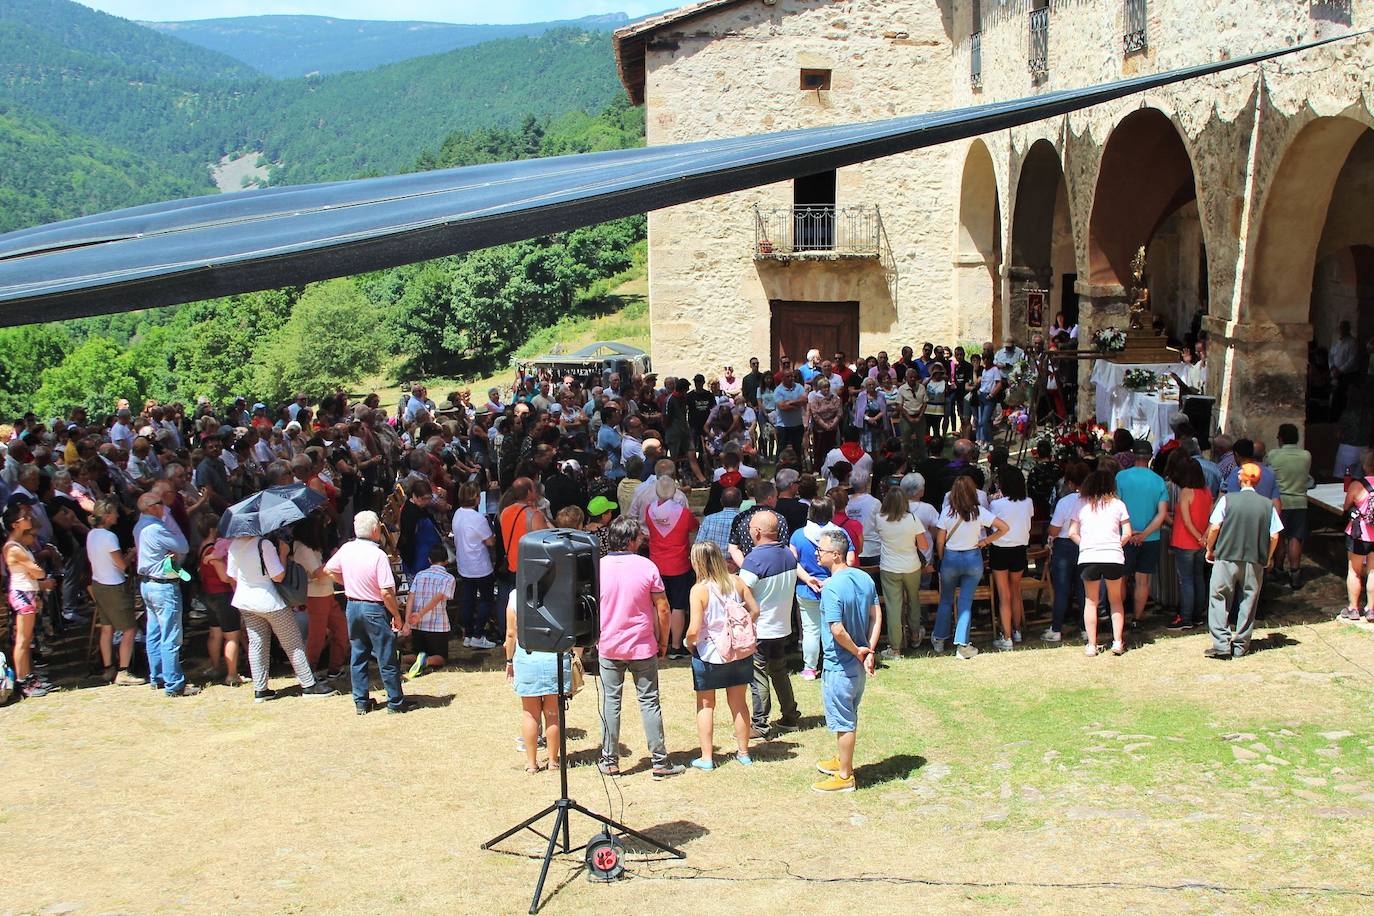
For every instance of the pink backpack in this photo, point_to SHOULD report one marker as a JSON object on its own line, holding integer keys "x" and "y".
{"x": 732, "y": 631}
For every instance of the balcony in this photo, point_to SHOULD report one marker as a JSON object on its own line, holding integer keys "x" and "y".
{"x": 1338, "y": 11}
{"x": 817, "y": 233}
{"x": 975, "y": 60}
{"x": 1039, "y": 50}
{"x": 1133, "y": 35}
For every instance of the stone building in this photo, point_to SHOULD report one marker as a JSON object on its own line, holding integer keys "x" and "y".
{"x": 1249, "y": 190}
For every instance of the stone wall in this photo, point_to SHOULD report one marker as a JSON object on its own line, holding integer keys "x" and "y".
{"x": 736, "y": 72}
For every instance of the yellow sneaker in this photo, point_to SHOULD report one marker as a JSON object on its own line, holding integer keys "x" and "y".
{"x": 829, "y": 767}
{"x": 833, "y": 784}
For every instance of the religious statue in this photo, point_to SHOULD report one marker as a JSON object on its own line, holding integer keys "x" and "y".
{"x": 1141, "y": 316}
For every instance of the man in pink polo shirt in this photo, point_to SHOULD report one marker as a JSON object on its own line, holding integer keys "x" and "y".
{"x": 634, "y": 636}
{"x": 365, "y": 571}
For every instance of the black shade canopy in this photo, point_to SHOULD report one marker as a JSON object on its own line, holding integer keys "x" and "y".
{"x": 162, "y": 254}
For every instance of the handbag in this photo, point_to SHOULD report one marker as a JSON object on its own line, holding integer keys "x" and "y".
{"x": 294, "y": 586}
{"x": 579, "y": 677}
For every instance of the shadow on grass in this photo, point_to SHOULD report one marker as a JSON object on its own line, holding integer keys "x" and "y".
{"x": 1272, "y": 640}
{"x": 425, "y": 701}
{"x": 774, "y": 749}
{"x": 898, "y": 766}
{"x": 674, "y": 833}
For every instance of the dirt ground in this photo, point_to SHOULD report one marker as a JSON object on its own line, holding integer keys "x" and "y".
{"x": 1036, "y": 779}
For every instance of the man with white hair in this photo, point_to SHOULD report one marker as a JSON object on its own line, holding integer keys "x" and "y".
{"x": 365, "y": 572}
{"x": 812, "y": 367}
{"x": 644, "y": 493}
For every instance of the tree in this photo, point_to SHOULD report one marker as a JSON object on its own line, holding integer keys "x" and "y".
{"x": 98, "y": 373}
{"x": 24, "y": 353}
{"x": 331, "y": 339}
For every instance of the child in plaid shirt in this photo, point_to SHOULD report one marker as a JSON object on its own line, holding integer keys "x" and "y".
{"x": 427, "y": 613}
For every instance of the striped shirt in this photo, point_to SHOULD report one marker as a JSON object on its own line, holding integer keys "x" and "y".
{"x": 427, "y": 584}
{"x": 716, "y": 528}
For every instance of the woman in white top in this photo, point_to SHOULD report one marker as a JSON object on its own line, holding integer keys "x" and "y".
{"x": 1064, "y": 552}
{"x": 903, "y": 556}
{"x": 1007, "y": 557}
{"x": 256, "y": 564}
{"x": 1100, "y": 529}
{"x": 715, "y": 587}
{"x": 110, "y": 588}
{"x": 960, "y": 542}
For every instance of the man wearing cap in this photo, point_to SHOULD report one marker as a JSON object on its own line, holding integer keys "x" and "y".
{"x": 160, "y": 552}
{"x": 1242, "y": 535}
{"x": 1147, "y": 500}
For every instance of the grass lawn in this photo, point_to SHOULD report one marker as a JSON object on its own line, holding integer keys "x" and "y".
{"x": 1038, "y": 779}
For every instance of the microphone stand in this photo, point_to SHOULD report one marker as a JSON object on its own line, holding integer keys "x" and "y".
{"x": 558, "y": 837}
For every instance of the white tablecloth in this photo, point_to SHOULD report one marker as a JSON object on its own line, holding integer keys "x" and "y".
{"x": 1328, "y": 496}
{"x": 1120, "y": 408}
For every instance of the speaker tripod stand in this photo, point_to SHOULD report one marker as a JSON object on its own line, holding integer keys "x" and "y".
{"x": 562, "y": 808}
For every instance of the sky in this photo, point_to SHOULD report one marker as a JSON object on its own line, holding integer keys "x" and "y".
{"x": 466, "y": 11}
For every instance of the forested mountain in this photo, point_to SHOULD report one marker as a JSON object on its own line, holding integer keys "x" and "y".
{"x": 49, "y": 173}
{"x": 184, "y": 107}
{"x": 287, "y": 46}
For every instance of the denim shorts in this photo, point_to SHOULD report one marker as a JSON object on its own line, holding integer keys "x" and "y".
{"x": 1142, "y": 558}
{"x": 841, "y": 693}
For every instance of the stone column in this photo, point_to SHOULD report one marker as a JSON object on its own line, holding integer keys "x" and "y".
{"x": 1099, "y": 307}
{"x": 1257, "y": 371}
{"x": 976, "y": 286}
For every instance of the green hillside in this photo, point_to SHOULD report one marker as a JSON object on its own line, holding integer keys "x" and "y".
{"x": 48, "y": 173}
{"x": 289, "y": 46}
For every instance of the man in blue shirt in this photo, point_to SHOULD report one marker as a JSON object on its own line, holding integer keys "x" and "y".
{"x": 851, "y": 620}
{"x": 608, "y": 440}
{"x": 791, "y": 401}
{"x": 1147, "y": 500}
{"x": 1245, "y": 451}
{"x": 811, "y": 368}
{"x": 160, "y": 552}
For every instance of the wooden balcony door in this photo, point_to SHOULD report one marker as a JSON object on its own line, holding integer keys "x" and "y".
{"x": 830, "y": 327}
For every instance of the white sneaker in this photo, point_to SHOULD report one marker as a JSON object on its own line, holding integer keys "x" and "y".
{"x": 1051, "y": 636}
{"x": 965, "y": 652}
{"x": 1015, "y": 635}
{"x": 938, "y": 645}
{"x": 889, "y": 654}
{"x": 1002, "y": 645}
{"x": 1118, "y": 648}
{"x": 1090, "y": 650}
{"x": 467, "y": 642}
{"x": 481, "y": 642}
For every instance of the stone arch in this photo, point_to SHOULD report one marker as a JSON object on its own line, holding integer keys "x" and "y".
{"x": 978, "y": 249}
{"x": 1042, "y": 241}
{"x": 1146, "y": 195}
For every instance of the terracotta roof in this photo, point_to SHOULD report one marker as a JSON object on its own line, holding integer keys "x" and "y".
{"x": 630, "y": 41}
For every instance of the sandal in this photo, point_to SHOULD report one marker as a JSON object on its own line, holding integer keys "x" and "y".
{"x": 534, "y": 769}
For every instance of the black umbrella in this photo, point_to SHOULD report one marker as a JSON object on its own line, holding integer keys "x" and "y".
{"x": 269, "y": 510}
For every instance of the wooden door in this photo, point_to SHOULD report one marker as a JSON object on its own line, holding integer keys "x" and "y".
{"x": 830, "y": 327}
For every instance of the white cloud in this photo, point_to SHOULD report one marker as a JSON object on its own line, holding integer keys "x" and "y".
{"x": 473, "y": 11}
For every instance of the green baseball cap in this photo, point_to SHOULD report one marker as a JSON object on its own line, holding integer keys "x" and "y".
{"x": 600, "y": 505}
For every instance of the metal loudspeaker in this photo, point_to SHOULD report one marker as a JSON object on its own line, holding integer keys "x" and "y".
{"x": 556, "y": 590}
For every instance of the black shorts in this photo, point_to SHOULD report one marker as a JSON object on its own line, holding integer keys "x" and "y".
{"x": 1295, "y": 524}
{"x": 1142, "y": 558}
{"x": 1091, "y": 572}
{"x": 222, "y": 614}
{"x": 1007, "y": 559}
{"x": 1358, "y": 547}
{"x": 429, "y": 642}
{"x": 679, "y": 590}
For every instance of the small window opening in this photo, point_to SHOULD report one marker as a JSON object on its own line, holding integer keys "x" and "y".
{"x": 814, "y": 79}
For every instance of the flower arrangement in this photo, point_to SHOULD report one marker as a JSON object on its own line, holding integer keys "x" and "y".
{"x": 1140, "y": 380}
{"x": 1023, "y": 375}
{"x": 1074, "y": 440}
{"x": 1110, "y": 340}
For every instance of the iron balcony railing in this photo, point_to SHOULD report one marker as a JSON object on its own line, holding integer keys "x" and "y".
{"x": 1133, "y": 36}
{"x": 1333, "y": 10}
{"x": 975, "y": 61}
{"x": 797, "y": 232}
{"x": 1039, "y": 55}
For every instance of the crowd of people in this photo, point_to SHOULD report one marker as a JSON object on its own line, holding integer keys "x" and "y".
{"x": 825, "y": 485}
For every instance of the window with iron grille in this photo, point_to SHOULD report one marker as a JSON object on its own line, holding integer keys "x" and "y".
{"x": 1133, "y": 36}
{"x": 975, "y": 60}
{"x": 1332, "y": 10}
{"x": 1039, "y": 56}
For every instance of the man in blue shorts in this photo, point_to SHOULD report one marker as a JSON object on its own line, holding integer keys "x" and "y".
{"x": 1147, "y": 499}
{"x": 851, "y": 620}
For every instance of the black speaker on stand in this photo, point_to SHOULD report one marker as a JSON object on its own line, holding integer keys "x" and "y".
{"x": 1198, "y": 409}
{"x": 556, "y": 608}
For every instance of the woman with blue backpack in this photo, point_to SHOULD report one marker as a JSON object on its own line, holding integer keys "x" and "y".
{"x": 721, "y": 635}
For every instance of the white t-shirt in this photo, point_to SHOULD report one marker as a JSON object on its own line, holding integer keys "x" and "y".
{"x": 898, "y": 539}
{"x": 745, "y": 471}
{"x": 1099, "y": 532}
{"x": 862, "y": 469}
{"x": 470, "y": 530}
{"x": 927, "y": 515}
{"x": 100, "y": 543}
{"x": 863, "y": 508}
{"x": 1064, "y": 511}
{"x": 965, "y": 535}
{"x": 991, "y": 376}
{"x": 1017, "y": 514}
{"x": 982, "y": 501}
{"x": 255, "y": 592}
